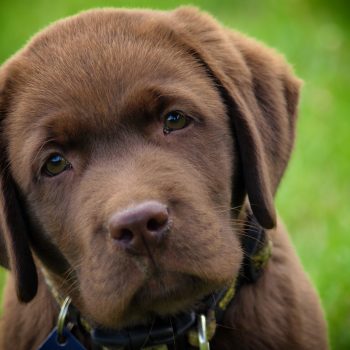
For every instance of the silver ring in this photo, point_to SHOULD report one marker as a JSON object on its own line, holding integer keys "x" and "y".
{"x": 62, "y": 318}
{"x": 202, "y": 333}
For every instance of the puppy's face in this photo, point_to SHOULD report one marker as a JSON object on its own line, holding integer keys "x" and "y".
{"x": 107, "y": 113}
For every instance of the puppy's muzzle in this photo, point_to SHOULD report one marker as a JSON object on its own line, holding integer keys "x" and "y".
{"x": 141, "y": 227}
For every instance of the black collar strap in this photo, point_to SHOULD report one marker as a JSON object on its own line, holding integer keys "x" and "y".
{"x": 183, "y": 329}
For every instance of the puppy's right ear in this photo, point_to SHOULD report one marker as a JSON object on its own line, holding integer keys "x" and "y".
{"x": 15, "y": 252}
{"x": 260, "y": 93}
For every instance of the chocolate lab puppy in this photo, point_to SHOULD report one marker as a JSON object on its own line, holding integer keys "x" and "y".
{"x": 140, "y": 153}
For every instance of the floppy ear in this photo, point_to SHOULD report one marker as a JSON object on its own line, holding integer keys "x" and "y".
{"x": 261, "y": 95}
{"x": 15, "y": 252}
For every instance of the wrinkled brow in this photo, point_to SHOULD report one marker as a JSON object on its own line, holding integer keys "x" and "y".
{"x": 136, "y": 109}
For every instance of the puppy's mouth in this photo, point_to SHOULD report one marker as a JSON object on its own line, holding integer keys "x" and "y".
{"x": 167, "y": 292}
{"x": 170, "y": 288}
{"x": 163, "y": 295}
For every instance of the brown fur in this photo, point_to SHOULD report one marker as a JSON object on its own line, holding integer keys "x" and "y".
{"x": 94, "y": 88}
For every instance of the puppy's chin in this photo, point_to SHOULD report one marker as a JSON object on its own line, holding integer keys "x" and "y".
{"x": 170, "y": 294}
{"x": 160, "y": 296}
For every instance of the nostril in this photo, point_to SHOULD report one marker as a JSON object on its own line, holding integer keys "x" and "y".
{"x": 156, "y": 224}
{"x": 125, "y": 236}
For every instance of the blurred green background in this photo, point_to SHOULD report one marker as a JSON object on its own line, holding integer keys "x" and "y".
{"x": 314, "y": 196}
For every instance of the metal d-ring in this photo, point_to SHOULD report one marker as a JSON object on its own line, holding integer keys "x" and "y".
{"x": 202, "y": 333}
{"x": 62, "y": 319}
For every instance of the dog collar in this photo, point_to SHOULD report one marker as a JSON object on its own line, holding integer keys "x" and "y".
{"x": 190, "y": 330}
{"x": 257, "y": 248}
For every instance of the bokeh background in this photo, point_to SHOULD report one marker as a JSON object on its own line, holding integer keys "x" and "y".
{"x": 314, "y": 196}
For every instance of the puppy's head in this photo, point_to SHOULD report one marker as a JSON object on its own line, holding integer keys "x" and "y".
{"x": 127, "y": 137}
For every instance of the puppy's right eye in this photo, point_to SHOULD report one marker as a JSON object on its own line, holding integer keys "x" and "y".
{"x": 55, "y": 165}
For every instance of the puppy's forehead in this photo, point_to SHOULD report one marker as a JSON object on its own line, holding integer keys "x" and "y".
{"x": 92, "y": 64}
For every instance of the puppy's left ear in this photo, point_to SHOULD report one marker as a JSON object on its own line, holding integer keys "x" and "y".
{"x": 261, "y": 95}
{"x": 15, "y": 252}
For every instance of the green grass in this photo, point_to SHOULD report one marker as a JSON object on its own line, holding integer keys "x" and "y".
{"x": 313, "y": 197}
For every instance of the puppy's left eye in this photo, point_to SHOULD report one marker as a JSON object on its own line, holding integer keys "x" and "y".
{"x": 175, "y": 121}
{"x": 55, "y": 165}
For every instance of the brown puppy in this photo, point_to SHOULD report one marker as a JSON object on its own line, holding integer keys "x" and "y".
{"x": 133, "y": 144}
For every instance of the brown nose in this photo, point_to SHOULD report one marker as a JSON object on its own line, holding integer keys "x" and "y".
{"x": 140, "y": 227}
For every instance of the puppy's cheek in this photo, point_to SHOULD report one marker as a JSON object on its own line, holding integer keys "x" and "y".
{"x": 205, "y": 247}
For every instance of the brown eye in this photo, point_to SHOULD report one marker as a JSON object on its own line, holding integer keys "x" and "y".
{"x": 175, "y": 121}
{"x": 55, "y": 165}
